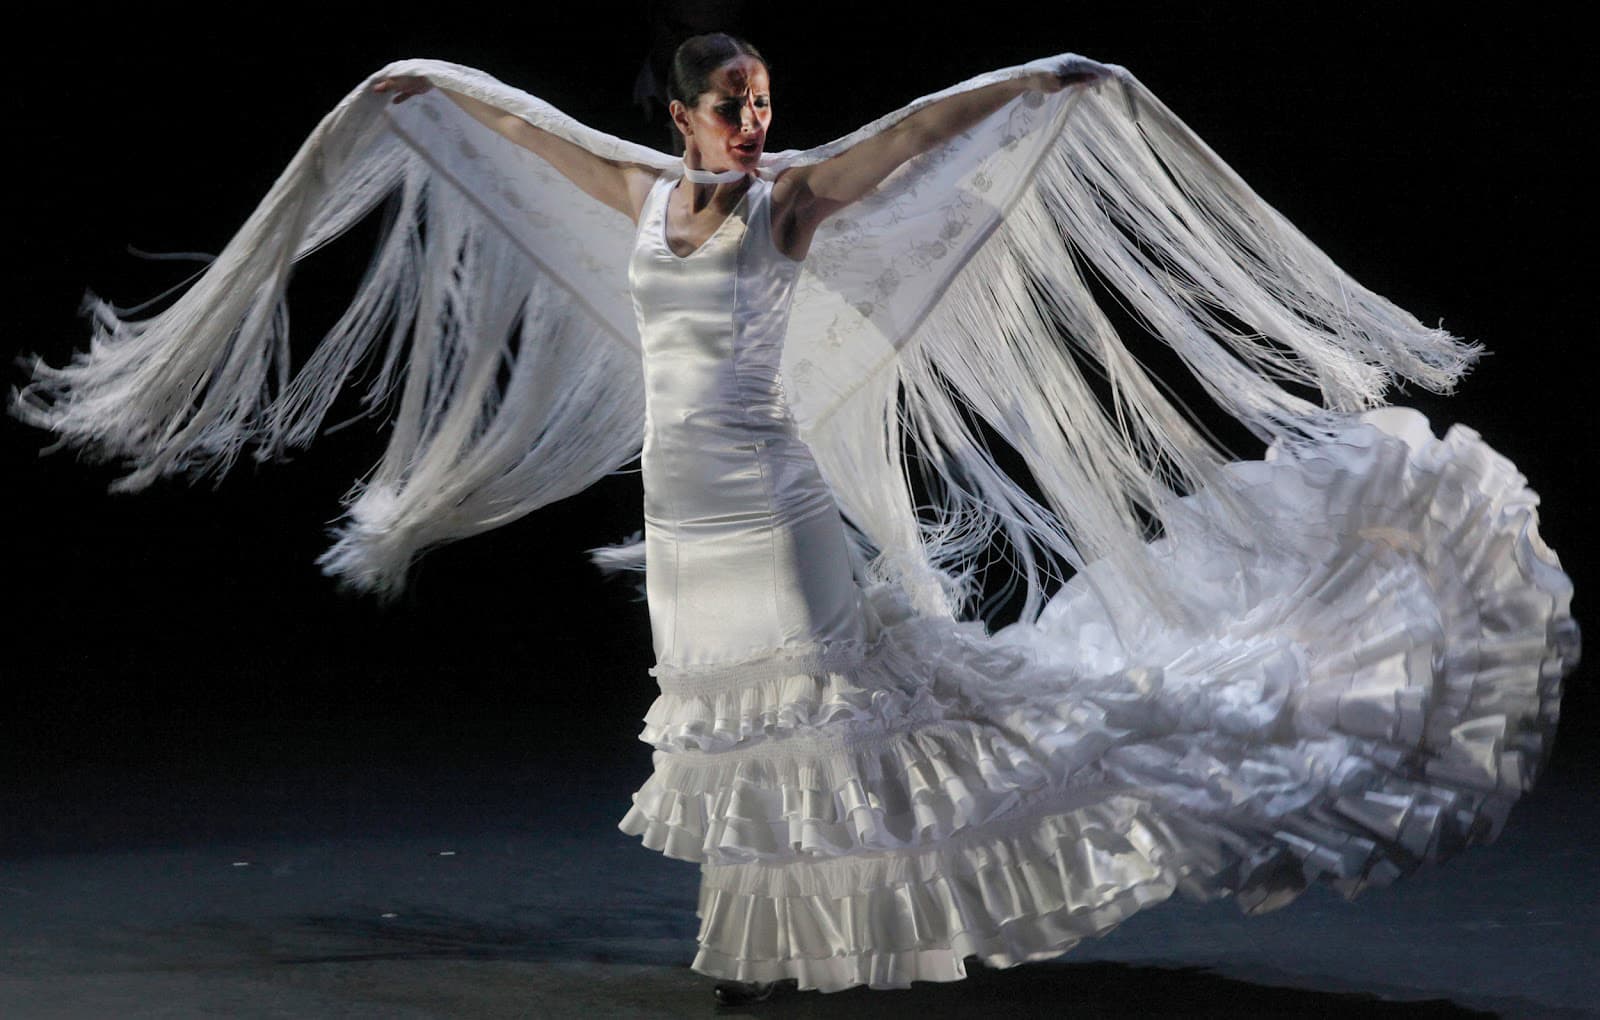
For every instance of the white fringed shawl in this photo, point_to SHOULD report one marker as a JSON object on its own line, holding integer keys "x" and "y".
{"x": 496, "y": 306}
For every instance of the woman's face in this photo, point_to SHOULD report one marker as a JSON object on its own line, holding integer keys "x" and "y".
{"x": 727, "y": 126}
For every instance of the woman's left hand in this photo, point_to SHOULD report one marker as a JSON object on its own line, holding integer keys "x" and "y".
{"x": 404, "y": 86}
{"x": 1073, "y": 71}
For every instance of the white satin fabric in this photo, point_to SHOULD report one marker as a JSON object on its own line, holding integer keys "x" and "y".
{"x": 745, "y": 551}
{"x": 874, "y": 793}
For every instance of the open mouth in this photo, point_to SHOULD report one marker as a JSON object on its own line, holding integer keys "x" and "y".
{"x": 748, "y": 148}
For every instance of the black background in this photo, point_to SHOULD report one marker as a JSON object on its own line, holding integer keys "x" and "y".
{"x": 1430, "y": 153}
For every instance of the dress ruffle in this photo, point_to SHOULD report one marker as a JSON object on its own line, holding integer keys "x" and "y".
{"x": 919, "y": 782}
{"x": 1029, "y": 889}
{"x": 1421, "y": 622}
{"x": 875, "y": 682}
{"x": 1364, "y": 695}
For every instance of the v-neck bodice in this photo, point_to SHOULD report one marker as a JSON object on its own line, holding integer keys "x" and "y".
{"x": 745, "y": 551}
{"x": 738, "y": 208}
{"x": 712, "y": 323}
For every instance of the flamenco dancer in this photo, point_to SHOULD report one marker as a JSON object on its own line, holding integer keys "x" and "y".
{"x": 1336, "y": 664}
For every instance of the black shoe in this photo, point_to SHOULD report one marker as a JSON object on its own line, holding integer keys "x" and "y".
{"x": 739, "y": 993}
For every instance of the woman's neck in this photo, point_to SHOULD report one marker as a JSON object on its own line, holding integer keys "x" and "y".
{"x": 705, "y": 191}
{"x": 724, "y": 196}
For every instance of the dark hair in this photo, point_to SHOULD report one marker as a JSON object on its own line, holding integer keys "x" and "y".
{"x": 697, "y": 57}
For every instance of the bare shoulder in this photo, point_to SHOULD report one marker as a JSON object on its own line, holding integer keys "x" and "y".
{"x": 637, "y": 181}
{"x": 786, "y": 199}
{"x": 793, "y": 197}
{"x": 789, "y": 189}
{"x": 796, "y": 213}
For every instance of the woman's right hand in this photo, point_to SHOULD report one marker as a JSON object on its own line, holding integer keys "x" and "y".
{"x": 404, "y": 86}
{"x": 1075, "y": 71}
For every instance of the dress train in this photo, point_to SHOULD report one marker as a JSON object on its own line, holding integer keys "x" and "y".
{"x": 1369, "y": 701}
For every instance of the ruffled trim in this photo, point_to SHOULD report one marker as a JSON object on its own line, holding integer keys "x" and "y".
{"x": 794, "y": 690}
{"x": 905, "y": 756}
{"x": 767, "y": 707}
{"x": 1371, "y": 702}
{"x": 717, "y": 708}
{"x": 1423, "y": 636}
{"x": 1032, "y": 887}
{"x": 845, "y": 789}
{"x": 1028, "y": 891}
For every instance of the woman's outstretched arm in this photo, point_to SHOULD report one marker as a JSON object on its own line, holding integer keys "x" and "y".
{"x": 622, "y": 186}
{"x": 805, "y": 196}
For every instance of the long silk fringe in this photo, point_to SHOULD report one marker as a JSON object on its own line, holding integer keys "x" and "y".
{"x": 511, "y": 397}
{"x": 1132, "y": 192}
{"x": 483, "y": 434}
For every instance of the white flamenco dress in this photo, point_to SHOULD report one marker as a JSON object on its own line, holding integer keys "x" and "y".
{"x": 1336, "y": 664}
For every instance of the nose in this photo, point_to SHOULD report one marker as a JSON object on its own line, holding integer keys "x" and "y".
{"x": 749, "y": 119}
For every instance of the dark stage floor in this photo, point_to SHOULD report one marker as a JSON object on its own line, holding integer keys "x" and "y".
{"x": 374, "y": 879}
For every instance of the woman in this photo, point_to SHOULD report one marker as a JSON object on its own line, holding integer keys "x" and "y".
{"x": 787, "y": 540}
{"x": 1337, "y": 665}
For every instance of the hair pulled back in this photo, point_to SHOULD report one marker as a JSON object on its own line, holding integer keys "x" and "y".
{"x": 697, "y": 57}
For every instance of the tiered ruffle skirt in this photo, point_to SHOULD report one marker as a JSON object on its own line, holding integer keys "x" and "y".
{"x": 1367, "y": 694}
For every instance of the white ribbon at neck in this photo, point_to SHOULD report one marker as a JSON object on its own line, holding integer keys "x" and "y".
{"x": 711, "y": 176}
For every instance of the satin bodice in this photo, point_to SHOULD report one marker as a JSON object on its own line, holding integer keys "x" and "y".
{"x": 713, "y": 322}
{"x": 745, "y": 550}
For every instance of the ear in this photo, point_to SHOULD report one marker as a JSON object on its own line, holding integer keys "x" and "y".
{"x": 680, "y": 116}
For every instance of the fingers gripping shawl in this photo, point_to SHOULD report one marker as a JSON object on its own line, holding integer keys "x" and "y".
{"x": 953, "y": 294}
